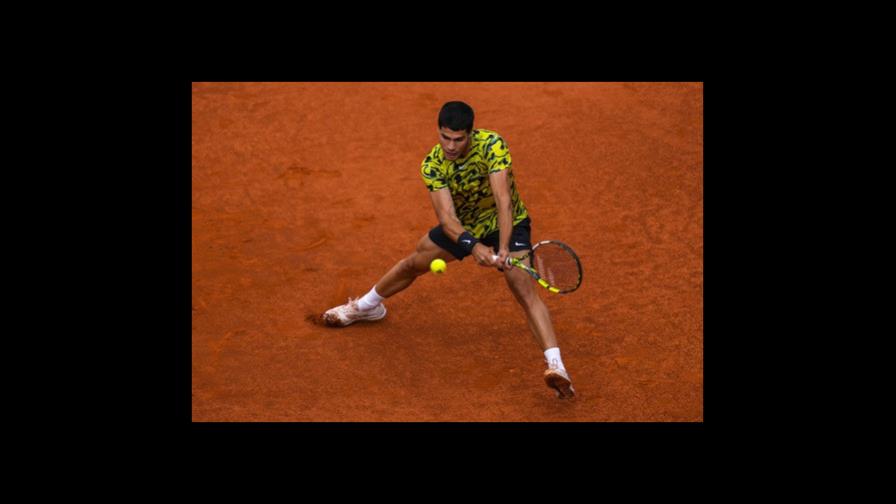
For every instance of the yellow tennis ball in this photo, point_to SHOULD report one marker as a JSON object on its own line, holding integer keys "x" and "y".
{"x": 437, "y": 266}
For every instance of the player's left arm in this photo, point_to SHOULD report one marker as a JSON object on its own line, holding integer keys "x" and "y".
{"x": 504, "y": 205}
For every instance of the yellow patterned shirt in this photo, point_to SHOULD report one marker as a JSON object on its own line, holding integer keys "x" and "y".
{"x": 467, "y": 179}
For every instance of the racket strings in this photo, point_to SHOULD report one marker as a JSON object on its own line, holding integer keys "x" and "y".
{"x": 557, "y": 266}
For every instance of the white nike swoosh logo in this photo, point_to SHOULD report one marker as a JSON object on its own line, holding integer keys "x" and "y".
{"x": 518, "y": 244}
{"x": 466, "y": 241}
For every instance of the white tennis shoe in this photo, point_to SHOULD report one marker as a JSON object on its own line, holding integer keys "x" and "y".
{"x": 558, "y": 379}
{"x": 349, "y": 313}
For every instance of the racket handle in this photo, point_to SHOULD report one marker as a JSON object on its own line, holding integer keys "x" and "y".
{"x": 495, "y": 258}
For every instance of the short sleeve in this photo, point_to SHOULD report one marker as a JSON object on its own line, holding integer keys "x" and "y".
{"x": 432, "y": 175}
{"x": 497, "y": 155}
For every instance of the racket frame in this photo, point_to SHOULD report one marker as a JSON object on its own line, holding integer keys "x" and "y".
{"x": 518, "y": 262}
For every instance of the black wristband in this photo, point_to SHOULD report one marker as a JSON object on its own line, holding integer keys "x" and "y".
{"x": 467, "y": 241}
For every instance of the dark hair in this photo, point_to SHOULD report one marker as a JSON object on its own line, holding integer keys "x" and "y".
{"x": 456, "y": 115}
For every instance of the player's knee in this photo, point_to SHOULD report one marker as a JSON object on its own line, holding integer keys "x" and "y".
{"x": 522, "y": 290}
{"x": 413, "y": 266}
{"x": 528, "y": 297}
{"x": 406, "y": 266}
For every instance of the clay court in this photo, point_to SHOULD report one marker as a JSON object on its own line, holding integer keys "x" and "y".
{"x": 305, "y": 194}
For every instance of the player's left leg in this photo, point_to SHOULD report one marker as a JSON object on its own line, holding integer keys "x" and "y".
{"x": 526, "y": 293}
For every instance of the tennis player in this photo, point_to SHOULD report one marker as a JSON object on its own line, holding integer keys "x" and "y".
{"x": 480, "y": 214}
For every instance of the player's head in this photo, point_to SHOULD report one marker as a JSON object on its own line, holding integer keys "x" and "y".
{"x": 457, "y": 116}
{"x": 455, "y": 126}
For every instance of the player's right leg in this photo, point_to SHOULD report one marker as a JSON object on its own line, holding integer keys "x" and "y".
{"x": 400, "y": 277}
{"x": 405, "y": 271}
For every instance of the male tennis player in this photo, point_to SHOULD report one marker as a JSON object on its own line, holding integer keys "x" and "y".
{"x": 475, "y": 198}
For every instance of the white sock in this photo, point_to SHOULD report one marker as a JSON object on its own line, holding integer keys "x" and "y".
{"x": 370, "y": 300}
{"x": 552, "y": 355}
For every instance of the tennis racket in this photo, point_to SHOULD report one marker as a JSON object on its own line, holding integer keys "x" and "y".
{"x": 554, "y": 266}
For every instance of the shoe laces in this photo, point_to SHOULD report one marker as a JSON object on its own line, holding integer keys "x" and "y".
{"x": 352, "y": 304}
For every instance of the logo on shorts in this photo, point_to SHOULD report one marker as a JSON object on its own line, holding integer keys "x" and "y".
{"x": 518, "y": 244}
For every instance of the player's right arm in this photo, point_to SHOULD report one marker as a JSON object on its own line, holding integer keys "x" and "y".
{"x": 444, "y": 207}
{"x": 440, "y": 195}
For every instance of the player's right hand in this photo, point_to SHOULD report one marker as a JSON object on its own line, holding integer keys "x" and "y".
{"x": 484, "y": 255}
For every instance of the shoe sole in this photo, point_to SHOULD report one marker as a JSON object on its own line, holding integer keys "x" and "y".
{"x": 560, "y": 384}
{"x": 335, "y": 321}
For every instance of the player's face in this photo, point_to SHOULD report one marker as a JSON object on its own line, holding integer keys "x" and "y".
{"x": 454, "y": 143}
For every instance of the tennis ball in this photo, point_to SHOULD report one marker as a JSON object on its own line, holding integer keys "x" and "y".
{"x": 437, "y": 266}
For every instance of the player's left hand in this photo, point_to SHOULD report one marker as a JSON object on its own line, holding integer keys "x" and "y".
{"x": 503, "y": 254}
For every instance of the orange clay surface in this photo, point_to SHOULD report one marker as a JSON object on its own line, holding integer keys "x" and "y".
{"x": 304, "y": 194}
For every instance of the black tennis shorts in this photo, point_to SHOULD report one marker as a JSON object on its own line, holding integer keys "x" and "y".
{"x": 519, "y": 239}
